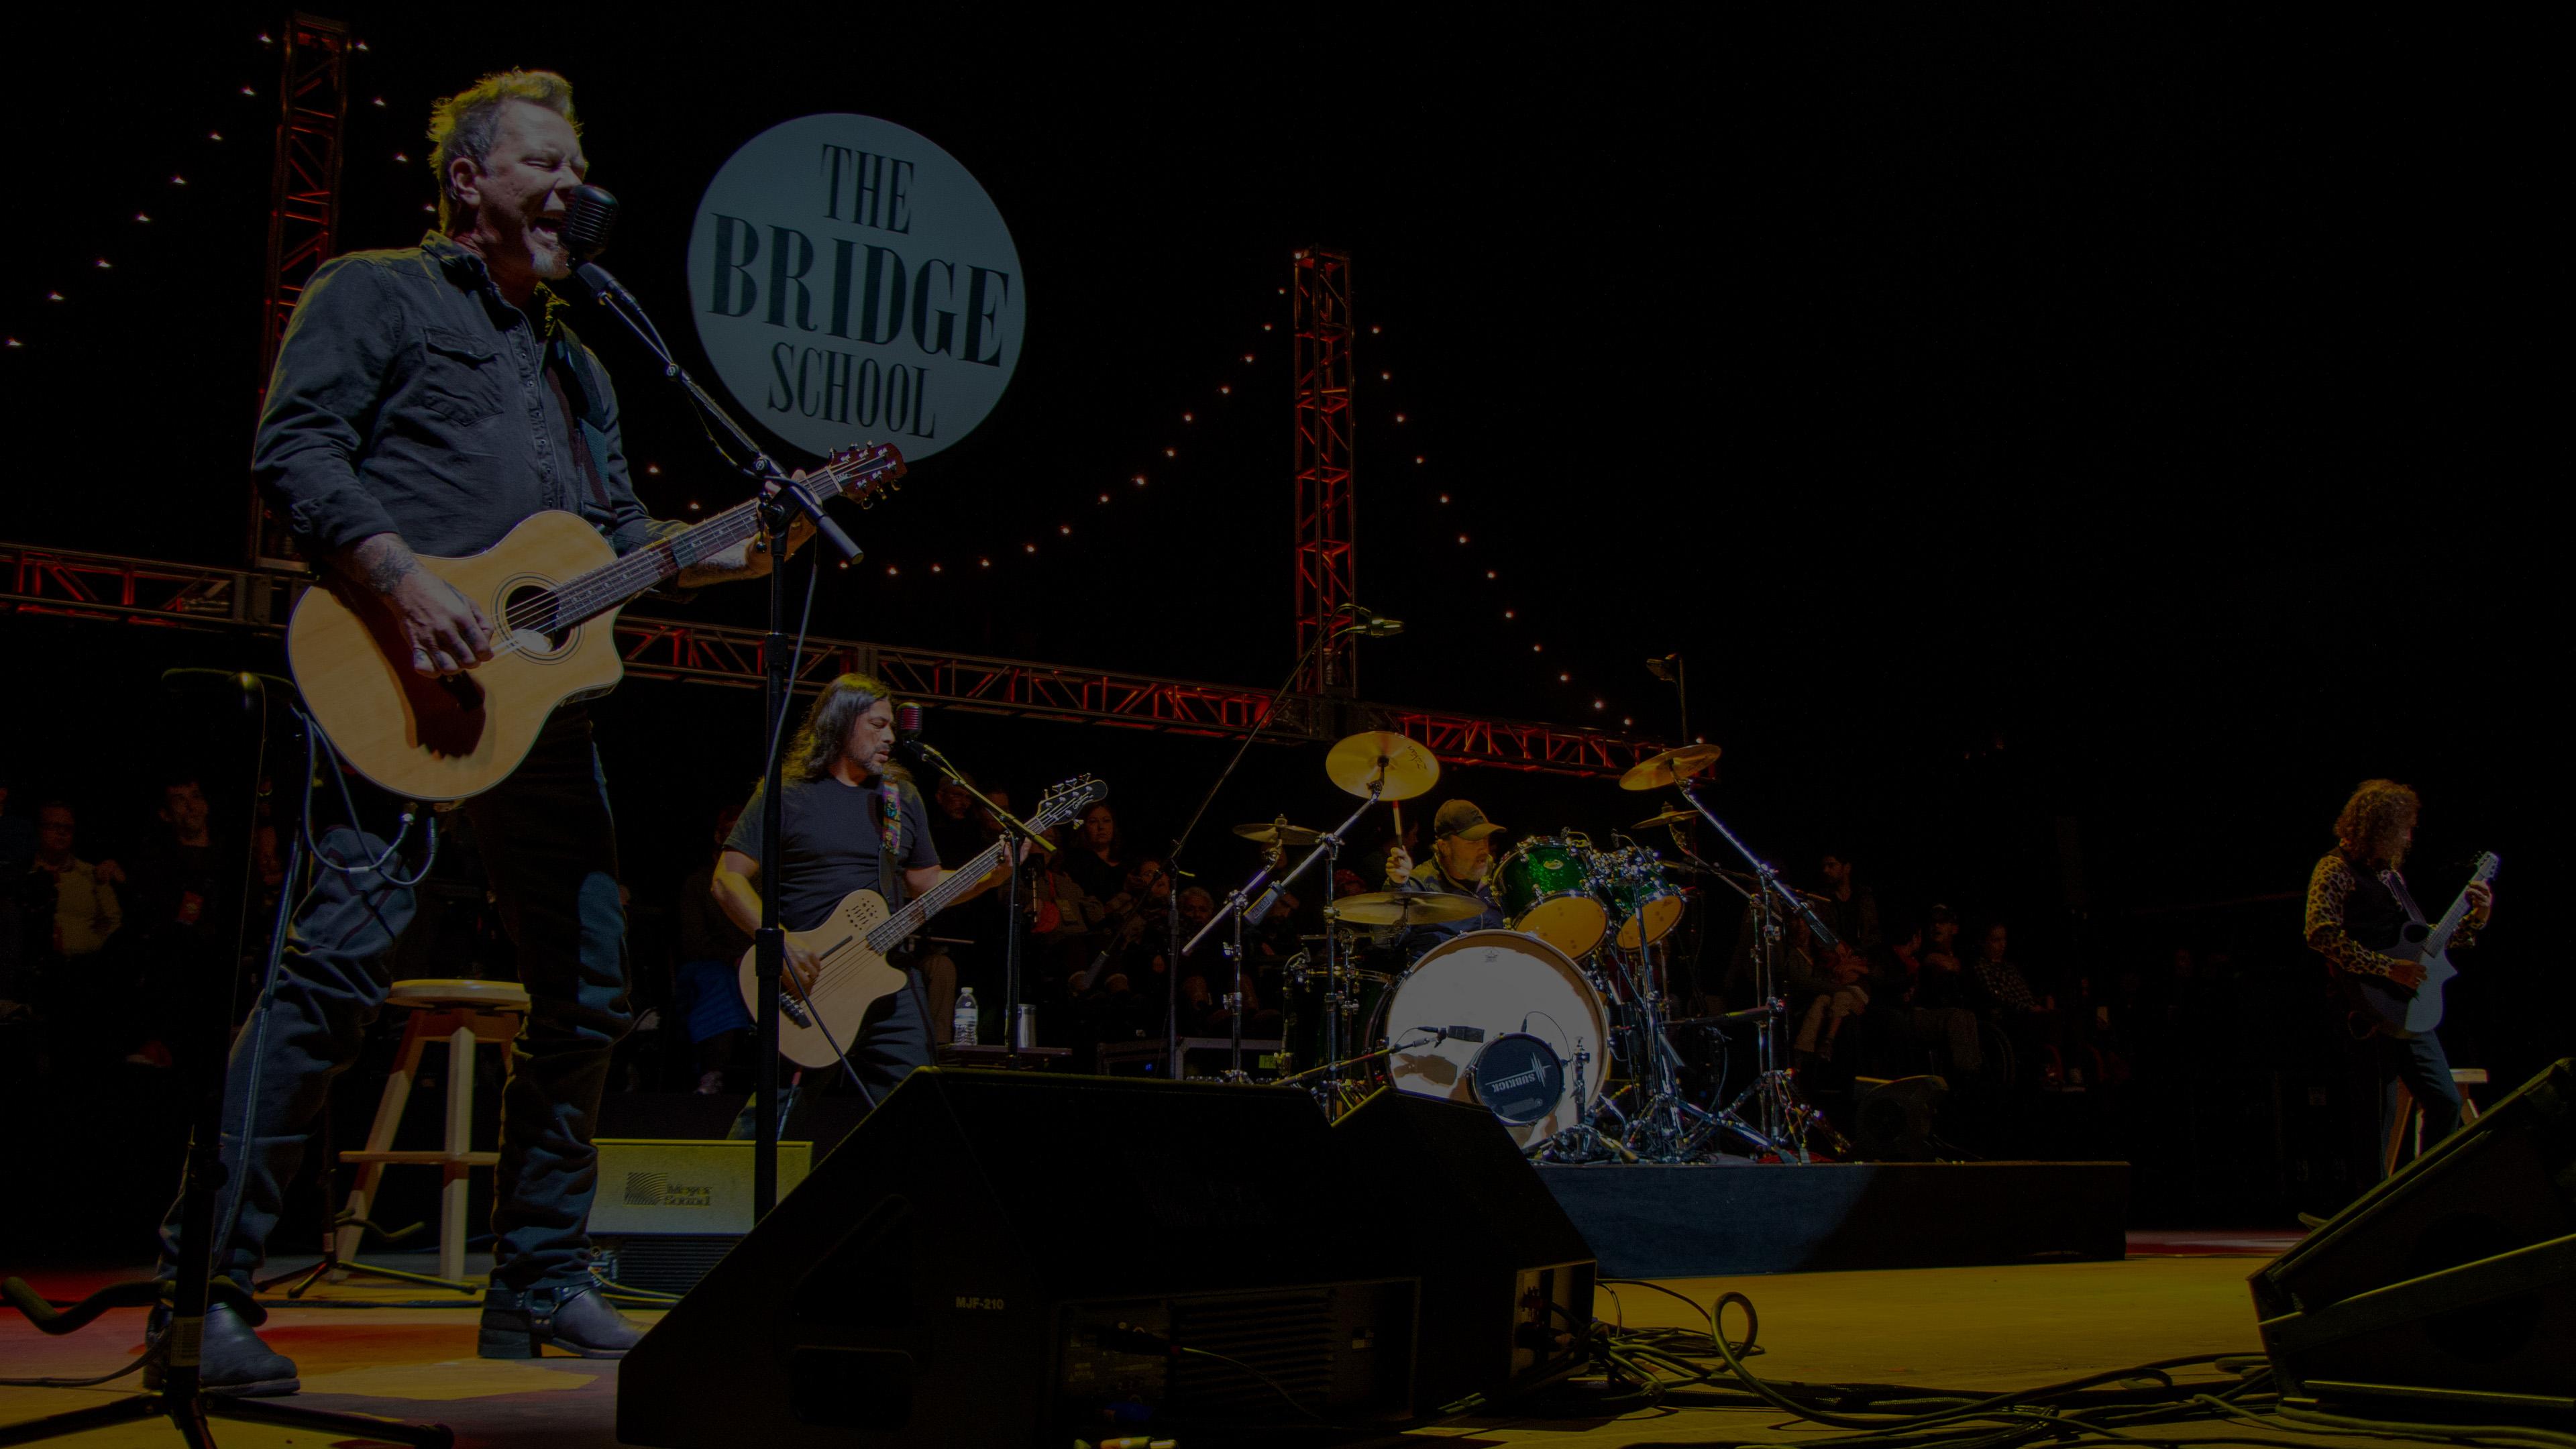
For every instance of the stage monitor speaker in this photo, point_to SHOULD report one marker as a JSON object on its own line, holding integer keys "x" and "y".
{"x": 1506, "y": 1276}
{"x": 1008, "y": 1259}
{"x": 2452, "y": 1285}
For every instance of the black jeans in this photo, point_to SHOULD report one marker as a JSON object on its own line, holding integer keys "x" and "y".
{"x": 2422, "y": 1067}
{"x": 551, "y": 850}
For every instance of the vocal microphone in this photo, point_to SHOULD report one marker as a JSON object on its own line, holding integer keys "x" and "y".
{"x": 907, "y": 734}
{"x": 1371, "y": 625}
{"x": 590, "y": 214}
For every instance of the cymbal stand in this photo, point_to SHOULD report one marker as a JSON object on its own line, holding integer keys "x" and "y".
{"x": 1785, "y": 1116}
{"x": 1243, "y": 906}
{"x": 1666, "y": 1126}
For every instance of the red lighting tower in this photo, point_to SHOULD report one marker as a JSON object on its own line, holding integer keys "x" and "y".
{"x": 1326, "y": 517}
{"x": 304, "y": 207}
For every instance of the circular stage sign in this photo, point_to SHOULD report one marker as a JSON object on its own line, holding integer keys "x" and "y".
{"x": 852, "y": 281}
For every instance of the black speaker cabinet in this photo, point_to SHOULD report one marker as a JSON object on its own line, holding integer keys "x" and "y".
{"x": 1002, "y": 1258}
{"x": 2452, "y": 1285}
{"x": 1506, "y": 1276}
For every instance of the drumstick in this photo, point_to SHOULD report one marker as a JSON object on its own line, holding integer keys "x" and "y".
{"x": 1399, "y": 825}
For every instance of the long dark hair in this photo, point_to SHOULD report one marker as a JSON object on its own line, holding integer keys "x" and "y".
{"x": 826, "y": 731}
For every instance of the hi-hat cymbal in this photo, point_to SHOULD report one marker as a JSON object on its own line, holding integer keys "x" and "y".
{"x": 1279, "y": 832}
{"x": 1670, "y": 767}
{"x": 1675, "y": 816}
{"x": 1410, "y": 769}
{"x": 1405, "y": 908}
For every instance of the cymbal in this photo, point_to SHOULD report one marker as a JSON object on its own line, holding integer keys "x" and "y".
{"x": 1406, "y": 908}
{"x": 1670, "y": 767}
{"x": 1279, "y": 832}
{"x": 1410, "y": 769}
{"x": 1675, "y": 816}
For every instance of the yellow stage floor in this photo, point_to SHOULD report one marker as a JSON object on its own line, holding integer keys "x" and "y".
{"x": 1952, "y": 1327}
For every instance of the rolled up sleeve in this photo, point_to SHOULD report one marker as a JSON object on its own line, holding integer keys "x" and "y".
{"x": 322, "y": 398}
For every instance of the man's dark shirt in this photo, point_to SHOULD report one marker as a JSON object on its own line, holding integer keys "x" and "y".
{"x": 1428, "y": 876}
{"x": 176, "y": 892}
{"x": 410, "y": 398}
{"x": 829, "y": 846}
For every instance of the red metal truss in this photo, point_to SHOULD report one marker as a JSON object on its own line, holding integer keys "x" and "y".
{"x": 1326, "y": 515}
{"x": 304, "y": 206}
{"x": 73, "y": 584}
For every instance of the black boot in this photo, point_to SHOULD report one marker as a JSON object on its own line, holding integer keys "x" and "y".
{"x": 232, "y": 1362}
{"x": 524, "y": 1323}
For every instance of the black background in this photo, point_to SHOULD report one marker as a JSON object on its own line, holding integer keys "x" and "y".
{"x": 2116, "y": 429}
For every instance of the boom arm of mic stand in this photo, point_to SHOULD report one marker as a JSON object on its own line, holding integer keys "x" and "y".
{"x": 1763, "y": 869}
{"x": 1011, "y": 824}
{"x": 782, "y": 491}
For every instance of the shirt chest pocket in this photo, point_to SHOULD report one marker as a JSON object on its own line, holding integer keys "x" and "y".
{"x": 460, "y": 378}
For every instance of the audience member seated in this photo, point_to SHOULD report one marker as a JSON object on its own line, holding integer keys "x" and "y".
{"x": 1850, "y": 910}
{"x": 1916, "y": 1004}
{"x": 1839, "y": 996}
{"x": 72, "y": 913}
{"x": 2024, "y": 1017}
{"x": 178, "y": 923}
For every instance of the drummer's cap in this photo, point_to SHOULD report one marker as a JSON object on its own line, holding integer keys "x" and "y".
{"x": 1461, "y": 819}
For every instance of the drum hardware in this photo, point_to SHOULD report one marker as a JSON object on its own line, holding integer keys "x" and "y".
{"x": 1585, "y": 1142}
{"x": 1783, "y": 1117}
{"x": 1377, "y": 765}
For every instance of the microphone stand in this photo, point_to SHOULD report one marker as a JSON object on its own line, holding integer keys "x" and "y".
{"x": 1172, "y": 949}
{"x": 1011, "y": 825}
{"x": 782, "y": 498}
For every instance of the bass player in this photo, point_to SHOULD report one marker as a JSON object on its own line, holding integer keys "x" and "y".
{"x": 847, "y": 810}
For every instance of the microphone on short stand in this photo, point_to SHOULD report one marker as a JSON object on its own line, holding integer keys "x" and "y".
{"x": 1370, "y": 625}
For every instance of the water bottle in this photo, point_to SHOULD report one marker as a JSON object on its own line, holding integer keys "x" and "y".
{"x": 962, "y": 1030}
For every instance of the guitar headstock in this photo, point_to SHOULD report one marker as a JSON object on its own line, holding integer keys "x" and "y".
{"x": 867, "y": 470}
{"x": 1068, "y": 800}
{"x": 2485, "y": 869}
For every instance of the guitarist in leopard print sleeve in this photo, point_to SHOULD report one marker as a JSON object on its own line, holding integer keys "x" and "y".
{"x": 2358, "y": 910}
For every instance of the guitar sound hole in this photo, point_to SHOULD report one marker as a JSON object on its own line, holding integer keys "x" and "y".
{"x": 527, "y": 610}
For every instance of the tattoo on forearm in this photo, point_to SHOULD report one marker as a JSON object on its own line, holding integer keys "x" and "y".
{"x": 382, "y": 562}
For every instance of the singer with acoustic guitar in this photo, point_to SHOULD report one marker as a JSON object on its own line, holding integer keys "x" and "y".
{"x": 851, "y": 820}
{"x": 2362, "y": 920}
{"x": 426, "y": 402}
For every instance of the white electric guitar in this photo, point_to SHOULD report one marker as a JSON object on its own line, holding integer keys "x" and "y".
{"x": 851, "y": 945}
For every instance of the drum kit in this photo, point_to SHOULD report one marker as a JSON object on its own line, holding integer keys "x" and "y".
{"x": 1559, "y": 1022}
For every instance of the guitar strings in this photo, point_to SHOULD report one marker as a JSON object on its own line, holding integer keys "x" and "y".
{"x": 584, "y": 596}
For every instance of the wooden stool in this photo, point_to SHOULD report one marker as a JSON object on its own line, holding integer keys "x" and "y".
{"x": 461, "y": 1013}
{"x": 2410, "y": 1116}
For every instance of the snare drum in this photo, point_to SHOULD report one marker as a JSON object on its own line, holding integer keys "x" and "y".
{"x": 1645, "y": 905}
{"x": 1497, "y": 1018}
{"x": 1546, "y": 889}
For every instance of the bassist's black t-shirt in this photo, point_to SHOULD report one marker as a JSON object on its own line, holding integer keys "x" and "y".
{"x": 828, "y": 845}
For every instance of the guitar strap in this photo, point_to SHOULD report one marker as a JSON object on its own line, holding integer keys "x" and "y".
{"x": 2405, "y": 898}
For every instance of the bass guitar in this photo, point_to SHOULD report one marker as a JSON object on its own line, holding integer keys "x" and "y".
{"x": 2397, "y": 1011}
{"x": 851, "y": 945}
{"x": 551, "y": 589}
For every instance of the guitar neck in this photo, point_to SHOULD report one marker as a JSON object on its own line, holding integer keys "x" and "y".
{"x": 934, "y": 900}
{"x": 2441, "y": 933}
{"x": 611, "y": 585}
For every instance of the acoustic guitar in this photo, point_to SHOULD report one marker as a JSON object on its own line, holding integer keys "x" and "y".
{"x": 551, "y": 589}
{"x": 2404, "y": 1013}
{"x": 852, "y": 943}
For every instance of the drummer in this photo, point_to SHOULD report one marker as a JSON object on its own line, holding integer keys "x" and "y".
{"x": 1462, "y": 856}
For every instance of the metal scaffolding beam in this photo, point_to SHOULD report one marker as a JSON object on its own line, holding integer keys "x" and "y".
{"x": 303, "y": 208}
{"x": 1327, "y": 517}
{"x": 55, "y": 583}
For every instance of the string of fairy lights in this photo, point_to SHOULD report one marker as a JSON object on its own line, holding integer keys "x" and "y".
{"x": 1167, "y": 459}
{"x": 159, "y": 202}
{"x": 245, "y": 116}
